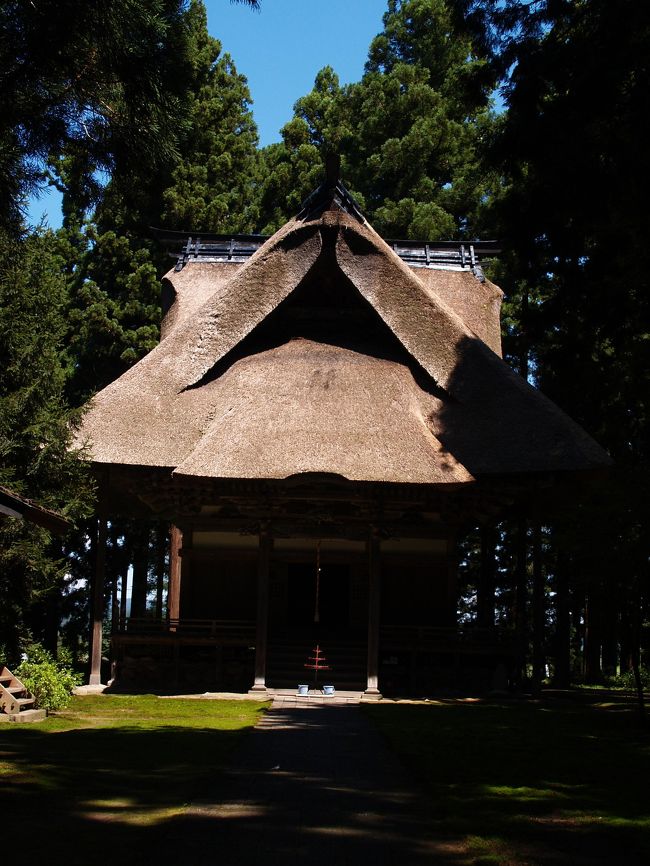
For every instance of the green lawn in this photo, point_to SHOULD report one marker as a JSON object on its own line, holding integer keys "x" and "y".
{"x": 563, "y": 780}
{"x": 90, "y": 784}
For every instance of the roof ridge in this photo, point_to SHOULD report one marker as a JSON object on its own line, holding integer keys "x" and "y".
{"x": 330, "y": 196}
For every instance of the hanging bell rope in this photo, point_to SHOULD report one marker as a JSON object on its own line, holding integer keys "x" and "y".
{"x": 317, "y": 599}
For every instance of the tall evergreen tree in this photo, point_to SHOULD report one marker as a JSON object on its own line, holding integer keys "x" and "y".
{"x": 102, "y": 79}
{"x": 114, "y": 263}
{"x": 35, "y": 427}
{"x": 418, "y": 116}
{"x": 573, "y": 213}
{"x": 408, "y": 132}
{"x": 291, "y": 170}
{"x": 212, "y": 185}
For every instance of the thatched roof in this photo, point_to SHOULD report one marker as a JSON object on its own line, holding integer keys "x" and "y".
{"x": 307, "y": 406}
{"x": 327, "y": 353}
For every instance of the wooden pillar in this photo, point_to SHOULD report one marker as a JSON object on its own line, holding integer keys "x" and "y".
{"x": 97, "y": 596}
{"x": 114, "y": 578}
{"x": 374, "y": 606}
{"x": 124, "y": 579}
{"x": 174, "y": 590}
{"x": 261, "y": 635}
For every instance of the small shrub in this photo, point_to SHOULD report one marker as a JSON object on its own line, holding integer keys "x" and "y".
{"x": 627, "y": 681}
{"x": 51, "y": 682}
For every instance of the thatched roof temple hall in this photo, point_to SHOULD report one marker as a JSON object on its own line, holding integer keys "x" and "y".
{"x": 323, "y": 415}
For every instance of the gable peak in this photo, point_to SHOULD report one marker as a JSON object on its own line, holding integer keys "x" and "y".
{"x": 331, "y": 195}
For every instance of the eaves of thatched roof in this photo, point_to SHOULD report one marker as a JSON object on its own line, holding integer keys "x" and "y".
{"x": 13, "y": 505}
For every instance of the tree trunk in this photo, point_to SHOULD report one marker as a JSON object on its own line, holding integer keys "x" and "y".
{"x": 161, "y": 551}
{"x": 593, "y": 635}
{"x": 487, "y": 578}
{"x": 636, "y": 667}
{"x": 539, "y": 609}
{"x": 140, "y": 573}
{"x": 578, "y": 615}
{"x": 562, "y": 678}
{"x": 610, "y": 628}
{"x": 521, "y": 593}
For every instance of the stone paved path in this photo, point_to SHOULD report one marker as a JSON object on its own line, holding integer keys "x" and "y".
{"x": 313, "y": 785}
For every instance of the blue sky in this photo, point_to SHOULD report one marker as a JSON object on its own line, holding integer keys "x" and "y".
{"x": 279, "y": 50}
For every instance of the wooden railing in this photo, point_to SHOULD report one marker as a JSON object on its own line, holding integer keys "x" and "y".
{"x": 227, "y": 630}
{"x": 391, "y": 637}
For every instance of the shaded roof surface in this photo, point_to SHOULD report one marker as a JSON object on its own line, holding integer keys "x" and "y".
{"x": 242, "y": 387}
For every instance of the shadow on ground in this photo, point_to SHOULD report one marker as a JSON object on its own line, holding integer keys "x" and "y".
{"x": 561, "y": 780}
{"x": 309, "y": 785}
{"x": 547, "y": 782}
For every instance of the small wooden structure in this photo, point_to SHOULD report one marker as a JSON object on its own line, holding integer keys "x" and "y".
{"x": 16, "y": 701}
{"x": 323, "y": 415}
{"x": 13, "y": 505}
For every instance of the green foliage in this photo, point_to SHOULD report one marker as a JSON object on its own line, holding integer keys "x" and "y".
{"x": 212, "y": 185}
{"x": 114, "y": 310}
{"x": 290, "y": 171}
{"x": 50, "y": 681}
{"x": 102, "y": 81}
{"x": 116, "y": 103}
{"x": 627, "y": 681}
{"x": 572, "y": 214}
{"x": 112, "y": 263}
{"x": 33, "y": 432}
{"x": 410, "y": 132}
{"x": 420, "y": 114}
{"x": 35, "y": 425}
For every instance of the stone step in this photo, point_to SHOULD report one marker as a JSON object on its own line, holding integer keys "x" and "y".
{"x": 24, "y": 716}
{"x": 292, "y": 687}
{"x": 346, "y": 660}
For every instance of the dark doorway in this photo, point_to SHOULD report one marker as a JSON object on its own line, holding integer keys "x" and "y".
{"x": 333, "y": 596}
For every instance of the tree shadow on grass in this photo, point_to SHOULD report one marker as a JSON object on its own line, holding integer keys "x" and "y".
{"x": 105, "y": 788}
{"x": 532, "y": 783}
{"x": 546, "y": 782}
{"x": 315, "y": 787}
